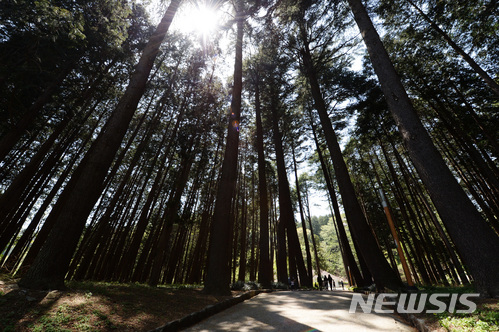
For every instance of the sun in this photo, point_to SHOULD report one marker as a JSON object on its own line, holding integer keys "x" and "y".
{"x": 198, "y": 18}
{"x": 205, "y": 20}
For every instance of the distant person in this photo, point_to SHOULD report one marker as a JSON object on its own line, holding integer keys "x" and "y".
{"x": 319, "y": 282}
{"x": 330, "y": 279}
{"x": 334, "y": 284}
{"x": 341, "y": 283}
{"x": 325, "y": 282}
{"x": 292, "y": 284}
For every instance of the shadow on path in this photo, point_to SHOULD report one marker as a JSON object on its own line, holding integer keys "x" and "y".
{"x": 291, "y": 311}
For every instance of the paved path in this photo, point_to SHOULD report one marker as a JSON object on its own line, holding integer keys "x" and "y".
{"x": 300, "y": 311}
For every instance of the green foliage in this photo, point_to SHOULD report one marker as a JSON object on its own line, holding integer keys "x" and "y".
{"x": 484, "y": 318}
{"x": 279, "y": 285}
{"x": 108, "y": 288}
{"x": 469, "y": 324}
{"x": 442, "y": 86}
{"x": 77, "y": 317}
{"x": 442, "y": 289}
{"x": 178, "y": 286}
{"x": 98, "y": 42}
{"x": 63, "y": 316}
{"x": 43, "y": 42}
{"x": 328, "y": 250}
{"x": 104, "y": 320}
{"x": 245, "y": 285}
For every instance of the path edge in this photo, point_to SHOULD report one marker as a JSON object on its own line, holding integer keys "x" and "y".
{"x": 206, "y": 312}
{"x": 418, "y": 323}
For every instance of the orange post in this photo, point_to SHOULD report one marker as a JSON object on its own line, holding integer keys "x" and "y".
{"x": 396, "y": 238}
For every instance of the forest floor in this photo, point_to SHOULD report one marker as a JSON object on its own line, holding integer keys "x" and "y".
{"x": 484, "y": 319}
{"x": 93, "y": 306}
{"x": 98, "y": 307}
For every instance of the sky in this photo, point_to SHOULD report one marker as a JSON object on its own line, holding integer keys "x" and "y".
{"x": 195, "y": 18}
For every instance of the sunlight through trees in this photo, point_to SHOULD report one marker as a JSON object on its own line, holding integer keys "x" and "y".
{"x": 189, "y": 150}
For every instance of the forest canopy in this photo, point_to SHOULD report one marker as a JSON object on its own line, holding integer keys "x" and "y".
{"x": 188, "y": 141}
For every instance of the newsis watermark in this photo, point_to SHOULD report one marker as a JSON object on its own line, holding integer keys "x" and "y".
{"x": 407, "y": 303}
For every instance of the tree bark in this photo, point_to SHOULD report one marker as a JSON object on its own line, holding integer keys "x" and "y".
{"x": 172, "y": 215}
{"x": 264, "y": 267}
{"x": 243, "y": 237}
{"x": 218, "y": 272}
{"x": 84, "y": 188}
{"x": 483, "y": 74}
{"x": 12, "y": 137}
{"x": 383, "y": 275}
{"x": 464, "y": 223}
{"x": 351, "y": 267}
{"x": 302, "y": 216}
{"x": 286, "y": 207}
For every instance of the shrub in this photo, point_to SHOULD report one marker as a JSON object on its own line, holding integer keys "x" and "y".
{"x": 279, "y": 285}
{"x": 245, "y": 286}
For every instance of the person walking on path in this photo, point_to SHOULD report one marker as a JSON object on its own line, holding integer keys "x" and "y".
{"x": 325, "y": 282}
{"x": 330, "y": 279}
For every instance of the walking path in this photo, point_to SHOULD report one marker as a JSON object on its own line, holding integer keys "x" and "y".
{"x": 291, "y": 311}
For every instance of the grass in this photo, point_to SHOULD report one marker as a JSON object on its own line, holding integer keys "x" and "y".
{"x": 484, "y": 319}
{"x": 68, "y": 317}
{"x": 106, "y": 306}
{"x": 98, "y": 306}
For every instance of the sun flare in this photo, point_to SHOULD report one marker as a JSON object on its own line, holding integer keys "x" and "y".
{"x": 200, "y": 19}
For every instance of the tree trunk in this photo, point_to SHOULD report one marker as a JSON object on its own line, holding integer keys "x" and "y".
{"x": 84, "y": 188}
{"x": 303, "y": 222}
{"x": 436, "y": 223}
{"x": 314, "y": 245}
{"x": 372, "y": 255}
{"x": 264, "y": 268}
{"x": 252, "y": 263}
{"x": 351, "y": 267}
{"x": 199, "y": 251}
{"x": 483, "y": 74}
{"x": 243, "y": 251}
{"x": 12, "y": 137}
{"x": 286, "y": 207}
{"x": 218, "y": 272}
{"x": 172, "y": 214}
{"x": 464, "y": 223}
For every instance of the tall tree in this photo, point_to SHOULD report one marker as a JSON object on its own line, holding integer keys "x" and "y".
{"x": 83, "y": 190}
{"x": 285, "y": 206}
{"x": 302, "y": 214}
{"x": 349, "y": 260}
{"x": 483, "y": 74}
{"x": 464, "y": 223}
{"x": 264, "y": 267}
{"x": 383, "y": 275}
{"x": 218, "y": 269}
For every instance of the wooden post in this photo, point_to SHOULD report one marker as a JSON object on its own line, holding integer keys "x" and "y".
{"x": 396, "y": 239}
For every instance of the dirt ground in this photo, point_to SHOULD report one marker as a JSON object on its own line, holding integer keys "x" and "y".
{"x": 97, "y": 307}
{"x": 91, "y": 306}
